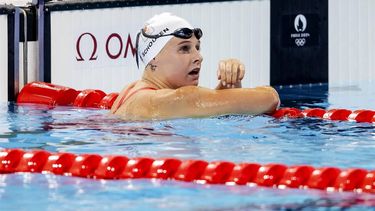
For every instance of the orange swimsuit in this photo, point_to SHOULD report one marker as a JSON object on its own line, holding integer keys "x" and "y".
{"x": 127, "y": 95}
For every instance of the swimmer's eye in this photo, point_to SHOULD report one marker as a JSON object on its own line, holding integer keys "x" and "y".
{"x": 198, "y": 47}
{"x": 185, "y": 48}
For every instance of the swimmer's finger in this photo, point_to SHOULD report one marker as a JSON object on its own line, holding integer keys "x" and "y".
{"x": 228, "y": 73}
{"x": 222, "y": 73}
{"x": 219, "y": 68}
{"x": 235, "y": 72}
{"x": 241, "y": 72}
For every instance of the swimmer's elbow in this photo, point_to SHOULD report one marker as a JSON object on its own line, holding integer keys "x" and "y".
{"x": 274, "y": 101}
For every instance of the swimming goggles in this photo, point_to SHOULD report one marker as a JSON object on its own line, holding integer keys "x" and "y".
{"x": 183, "y": 33}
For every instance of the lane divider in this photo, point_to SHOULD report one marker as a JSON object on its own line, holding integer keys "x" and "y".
{"x": 333, "y": 114}
{"x": 199, "y": 171}
{"x": 55, "y": 95}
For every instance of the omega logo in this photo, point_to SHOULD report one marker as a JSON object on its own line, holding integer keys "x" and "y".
{"x": 113, "y": 38}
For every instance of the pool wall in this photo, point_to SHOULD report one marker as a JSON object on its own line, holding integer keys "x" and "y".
{"x": 351, "y": 42}
{"x": 98, "y": 45}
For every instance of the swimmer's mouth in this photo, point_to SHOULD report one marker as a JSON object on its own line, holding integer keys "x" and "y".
{"x": 194, "y": 71}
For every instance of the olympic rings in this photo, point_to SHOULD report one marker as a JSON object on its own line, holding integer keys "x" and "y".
{"x": 300, "y": 41}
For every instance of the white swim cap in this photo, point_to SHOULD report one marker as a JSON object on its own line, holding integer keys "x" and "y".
{"x": 163, "y": 23}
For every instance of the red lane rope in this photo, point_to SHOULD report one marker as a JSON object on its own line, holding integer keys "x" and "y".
{"x": 53, "y": 95}
{"x": 333, "y": 114}
{"x": 200, "y": 171}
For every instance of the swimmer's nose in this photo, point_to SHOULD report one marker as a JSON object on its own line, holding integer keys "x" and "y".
{"x": 197, "y": 57}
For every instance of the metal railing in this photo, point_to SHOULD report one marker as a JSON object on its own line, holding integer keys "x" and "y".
{"x": 25, "y": 47}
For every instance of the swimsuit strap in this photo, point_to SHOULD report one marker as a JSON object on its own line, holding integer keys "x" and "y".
{"x": 127, "y": 95}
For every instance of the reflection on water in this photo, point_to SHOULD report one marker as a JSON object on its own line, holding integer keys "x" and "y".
{"x": 304, "y": 96}
{"x": 99, "y": 124}
{"x": 91, "y": 131}
{"x": 236, "y": 138}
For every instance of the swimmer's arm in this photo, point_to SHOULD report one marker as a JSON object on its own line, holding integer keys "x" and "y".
{"x": 195, "y": 101}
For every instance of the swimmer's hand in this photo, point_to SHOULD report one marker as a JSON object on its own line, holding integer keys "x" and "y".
{"x": 230, "y": 73}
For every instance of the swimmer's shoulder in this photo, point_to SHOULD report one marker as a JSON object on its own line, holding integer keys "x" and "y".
{"x": 124, "y": 91}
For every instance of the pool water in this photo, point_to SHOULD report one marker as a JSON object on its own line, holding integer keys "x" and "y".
{"x": 235, "y": 138}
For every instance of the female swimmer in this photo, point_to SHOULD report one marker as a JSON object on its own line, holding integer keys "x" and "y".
{"x": 169, "y": 47}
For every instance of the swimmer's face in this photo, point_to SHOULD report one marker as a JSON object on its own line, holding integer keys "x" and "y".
{"x": 179, "y": 62}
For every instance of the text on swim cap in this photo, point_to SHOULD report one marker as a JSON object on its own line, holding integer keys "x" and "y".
{"x": 149, "y": 45}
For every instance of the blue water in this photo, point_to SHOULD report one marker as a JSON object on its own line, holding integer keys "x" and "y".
{"x": 235, "y": 138}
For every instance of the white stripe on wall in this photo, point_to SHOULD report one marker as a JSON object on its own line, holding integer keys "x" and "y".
{"x": 351, "y": 42}
{"x": 3, "y": 58}
{"x": 31, "y": 62}
{"x": 236, "y": 29}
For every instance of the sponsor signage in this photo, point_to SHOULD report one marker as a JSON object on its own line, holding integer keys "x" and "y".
{"x": 114, "y": 46}
{"x": 299, "y": 42}
{"x": 95, "y": 51}
{"x": 300, "y": 30}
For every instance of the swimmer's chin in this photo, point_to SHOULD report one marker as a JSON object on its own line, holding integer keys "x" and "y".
{"x": 192, "y": 84}
{"x": 195, "y": 82}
